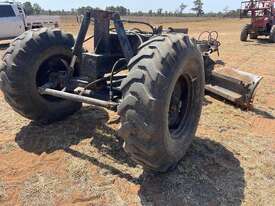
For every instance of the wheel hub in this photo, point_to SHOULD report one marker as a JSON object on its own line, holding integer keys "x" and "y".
{"x": 53, "y": 72}
{"x": 178, "y": 105}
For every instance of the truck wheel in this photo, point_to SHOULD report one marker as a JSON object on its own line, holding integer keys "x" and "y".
{"x": 244, "y": 32}
{"x": 28, "y": 64}
{"x": 162, "y": 101}
{"x": 253, "y": 36}
{"x": 272, "y": 34}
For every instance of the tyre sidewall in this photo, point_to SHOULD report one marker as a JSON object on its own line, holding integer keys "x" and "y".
{"x": 19, "y": 74}
{"x": 272, "y": 34}
{"x": 189, "y": 64}
{"x": 245, "y": 32}
{"x": 147, "y": 91}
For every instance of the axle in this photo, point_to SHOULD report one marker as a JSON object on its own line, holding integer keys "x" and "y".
{"x": 77, "y": 98}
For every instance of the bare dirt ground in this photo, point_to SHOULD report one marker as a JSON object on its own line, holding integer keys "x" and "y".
{"x": 80, "y": 161}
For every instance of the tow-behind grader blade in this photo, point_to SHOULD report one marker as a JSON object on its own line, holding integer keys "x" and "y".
{"x": 236, "y": 86}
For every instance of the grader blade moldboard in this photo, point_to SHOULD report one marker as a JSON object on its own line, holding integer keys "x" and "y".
{"x": 233, "y": 85}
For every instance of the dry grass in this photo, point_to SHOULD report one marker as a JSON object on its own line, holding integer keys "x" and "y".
{"x": 80, "y": 161}
{"x": 78, "y": 171}
{"x": 39, "y": 190}
{"x": 2, "y": 191}
{"x": 8, "y": 147}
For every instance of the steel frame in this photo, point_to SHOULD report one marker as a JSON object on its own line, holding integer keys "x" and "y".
{"x": 98, "y": 84}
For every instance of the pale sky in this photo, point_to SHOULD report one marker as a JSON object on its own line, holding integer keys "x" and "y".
{"x": 136, "y": 5}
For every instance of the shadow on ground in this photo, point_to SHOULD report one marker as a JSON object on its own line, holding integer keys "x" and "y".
{"x": 263, "y": 41}
{"x": 209, "y": 174}
{"x": 89, "y": 122}
{"x": 262, "y": 113}
{"x": 61, "y": 135}
{"x": 260, "y": 41}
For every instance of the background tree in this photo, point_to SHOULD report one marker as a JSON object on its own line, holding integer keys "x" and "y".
{"x": 159, "y": 11}
{"x": 83, "y": 9}
{"x": 226, "y": 11}
{"x": 119, "y": 9}
{"x": 28, "y": 8}
{"x": 31, "y": 9}
{"x": 182, "y": 7}
{"x": 198, "y": 7}
{"x": 37, "y": 9}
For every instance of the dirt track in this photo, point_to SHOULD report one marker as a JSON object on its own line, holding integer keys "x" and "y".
{"x": 80, "y": 161}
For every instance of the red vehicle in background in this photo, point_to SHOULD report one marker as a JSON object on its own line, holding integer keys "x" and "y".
{"x": 262, "y": 14}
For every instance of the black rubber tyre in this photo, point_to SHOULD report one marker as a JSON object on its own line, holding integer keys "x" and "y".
{"x": 244, "y": 32}
{"x": 253, "y": 36}
{"x": 157, "y": 132}
{"x": 272, "y": 34}
{"x": 24, "y": 67}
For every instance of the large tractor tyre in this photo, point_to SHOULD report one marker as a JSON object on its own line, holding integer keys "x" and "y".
{"x": 245, "y": 32}
{"x": 253, "y": 36}
{"x": 272, "y": 34}
{"x": 162, "y": 101}
{"x": 31, "y": 60}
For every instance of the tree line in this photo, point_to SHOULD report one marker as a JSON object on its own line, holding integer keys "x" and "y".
{"x": 198, "y": 10}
